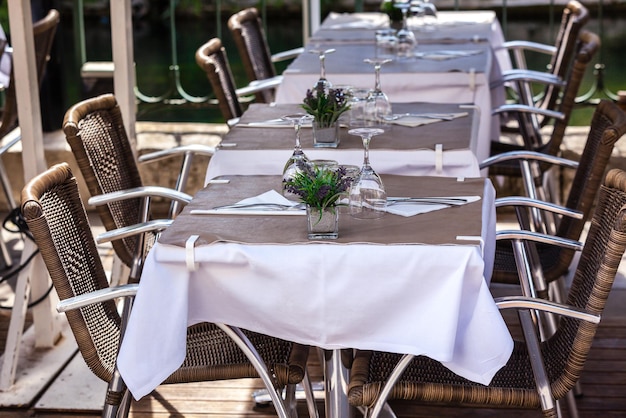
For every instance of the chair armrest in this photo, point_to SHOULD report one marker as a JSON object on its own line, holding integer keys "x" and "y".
{"x": 529, "y": 46}
{"x": 528, "y": 155}
{"x": 10, "y": 139}
{"x": 99, "y": 296}
{"x": 154, "y": 225}
{"x": 232, "y": 122}
{"x": 287, "y": 55}
{"x": 525, "y": 302}
{"x": 522, "y": 108}
{"x": 524, "y": 235}
{"x": 530, "y": 76}
{"x": 259, "y": 85}
{"x": 140, "y": 192}
{"x": 537, "y": 204}
{"x": 195, "y": 149}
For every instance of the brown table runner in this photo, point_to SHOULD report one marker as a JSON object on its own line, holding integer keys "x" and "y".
{"x": 453, "y": 134}
{"x": 348, "y": 59}
{"x": 438, "y": 227}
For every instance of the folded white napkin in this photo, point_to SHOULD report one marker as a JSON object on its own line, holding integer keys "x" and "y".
{"x": 413, "y": 121}
{"x": 254, "y": 206}
{"x": 410, "y": 208}
{"x": 446, "y": 55}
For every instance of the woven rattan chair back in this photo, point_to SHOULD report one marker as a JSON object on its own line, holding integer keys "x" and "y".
{"x": 588, "y": 45}
{"x": 212, "y": 59}
{"x": 95, "y": 132}
{"x": 56, "y": 217}
{"x": 249, "y": 35}
{"x": 608, "y": 125}
{"x": 564, "y": 353}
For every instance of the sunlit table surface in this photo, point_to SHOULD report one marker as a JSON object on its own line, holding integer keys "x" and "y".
{"x": 417, "y": 284}
{"x": 445, "y": 148}
{"x": 459, "y": 79}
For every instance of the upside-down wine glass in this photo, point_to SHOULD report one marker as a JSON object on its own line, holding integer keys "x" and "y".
{"x": 378, "y": 107}
{"x": 430, "y": 15}
{"x": 406, "y": 42}
{"x": 291, "y": 166}
{"x": 323, "y": 81}
{"x": 368, "y": 198}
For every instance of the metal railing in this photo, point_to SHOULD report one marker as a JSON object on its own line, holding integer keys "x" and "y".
{"x": 176, "y": 94}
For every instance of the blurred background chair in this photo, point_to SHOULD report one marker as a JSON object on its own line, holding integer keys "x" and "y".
{"x": 44, "y": 31}
{"x": 246, "y": 28}
{"x": 95, "y": 132}
{"x": 538, "y": 373}
{"x": 56, "y": 217}
{"x": 538, "y": 88}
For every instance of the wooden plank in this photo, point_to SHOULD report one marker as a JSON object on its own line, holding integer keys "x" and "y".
{"x": 75, "y": 389}
{"x": 37, "y": 367}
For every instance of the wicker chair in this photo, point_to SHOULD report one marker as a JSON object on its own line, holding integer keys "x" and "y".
{"x": 537, "y": 372}
{"x": 44, "y": 31}
{"x": 505, "y": 162}
{"x": 607, "y": 127}
{"x": 56, "y": 217}
{"x": 574, "y": 17}
{"x": 95, "y": 132}
{"x": 212, "y": 59}
{"x": 247, "y": 30}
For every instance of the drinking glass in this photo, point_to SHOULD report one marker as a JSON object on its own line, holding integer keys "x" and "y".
{"x": 323, "y": 83}
{"x": 358, "y": 104}
{"x": 430, "y": 15}
{"x": 378, "y": 107}
{"x": 368, "y": 198}
{"x": 386, "y": 41}
{"x": 406, "y": 42}
{"x": 291, "y": 166}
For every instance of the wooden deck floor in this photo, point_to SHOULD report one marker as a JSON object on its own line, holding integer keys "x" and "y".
{"x": 603, "y": 383}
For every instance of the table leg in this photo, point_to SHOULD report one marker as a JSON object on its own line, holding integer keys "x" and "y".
{"x": 336, "y": 376}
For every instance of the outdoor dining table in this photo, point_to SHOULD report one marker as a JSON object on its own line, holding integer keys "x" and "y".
{"x": 454, "y": 63}
{"x": 261, "y": 144}
{"x": 416, "y": 284}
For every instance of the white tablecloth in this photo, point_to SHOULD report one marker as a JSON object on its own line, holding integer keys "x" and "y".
{"x": 458, "y": 80}
{"x": 452, "y": 163}
{"x": 420, "y": 299}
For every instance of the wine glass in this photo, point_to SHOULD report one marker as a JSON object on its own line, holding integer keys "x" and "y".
{"x": 378, "y": 107}
{"x": 323, "y": 83}
{"x": 291, "y": 166}
{"x": 406, "y": 42}
{"x": 430, "y": 15}
{"x": 368, "y": 198}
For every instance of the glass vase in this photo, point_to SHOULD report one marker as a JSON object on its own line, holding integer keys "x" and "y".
{"x": 322, "y": 224}
{"x": 325, "y": 136}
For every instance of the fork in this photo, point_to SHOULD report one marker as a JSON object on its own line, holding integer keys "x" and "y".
{"x": 442, "y": 116}
{"x": 269, "y": 206}
{"x": 448, "y": 201}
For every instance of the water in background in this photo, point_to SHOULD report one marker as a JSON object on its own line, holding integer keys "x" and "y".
{"x": 155, "y": 76}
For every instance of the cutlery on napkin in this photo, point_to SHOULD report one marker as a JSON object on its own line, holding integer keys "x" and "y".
{"x": 446, "y": 55}
{"x": 268, "y": 203}
{"x": 357, "y": 24}
{"x": 410, "y": 206}
{"x": 272, "y": 123}
{"x": 413, "y": 120}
